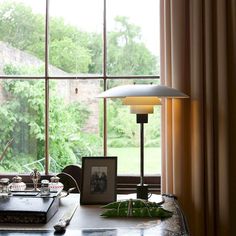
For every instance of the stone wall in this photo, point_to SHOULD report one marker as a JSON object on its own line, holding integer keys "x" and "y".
{"x": 86, "y": 91}
{"x": 11, "y": 55}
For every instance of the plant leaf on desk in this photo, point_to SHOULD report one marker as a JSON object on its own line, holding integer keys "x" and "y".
{"x": 135, "y": 208}
{"x": 138, "y": 212}
{"x": 135, "y": 203}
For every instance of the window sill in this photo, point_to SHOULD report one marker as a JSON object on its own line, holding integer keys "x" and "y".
{"x": 125, "y": 184}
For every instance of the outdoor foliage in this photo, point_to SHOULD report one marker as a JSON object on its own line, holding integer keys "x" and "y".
{"x": 124, "y": 131}
{"x": 22, "y": 118}
{"x": 127, "y": 54}
{"x": 73, "y": 50}
{"x": 22, "y": 113}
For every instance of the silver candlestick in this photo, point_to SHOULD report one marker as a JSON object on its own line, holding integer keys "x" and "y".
{"x": 35, "y": 177}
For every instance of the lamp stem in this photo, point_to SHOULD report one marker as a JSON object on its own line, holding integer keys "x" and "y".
{"x": 142, "y": 189}
{"x": 141, "y": 153}
{"x": 142, "y": 119}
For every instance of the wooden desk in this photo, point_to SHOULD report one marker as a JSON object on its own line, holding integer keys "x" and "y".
{"x": 87, "y": 221}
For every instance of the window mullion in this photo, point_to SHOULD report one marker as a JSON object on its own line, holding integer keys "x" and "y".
{"x": 46, "y": 90}
{"x": 104, "y": 80}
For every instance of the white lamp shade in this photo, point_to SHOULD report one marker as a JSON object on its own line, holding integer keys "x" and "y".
{"x": 142, "y": 90}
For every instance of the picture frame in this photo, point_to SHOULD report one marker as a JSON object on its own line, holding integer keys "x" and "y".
{"x": 98, "y": 180}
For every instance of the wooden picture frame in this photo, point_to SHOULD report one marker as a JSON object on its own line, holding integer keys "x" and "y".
{"x": 98, "y": 180}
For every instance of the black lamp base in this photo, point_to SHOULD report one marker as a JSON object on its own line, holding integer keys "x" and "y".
{"x": 142, "y": 191}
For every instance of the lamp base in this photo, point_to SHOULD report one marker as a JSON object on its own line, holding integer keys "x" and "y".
{"x": 142, "y": 191}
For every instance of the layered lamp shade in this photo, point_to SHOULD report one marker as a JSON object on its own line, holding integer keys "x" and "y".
{"x": 142, "y": 99}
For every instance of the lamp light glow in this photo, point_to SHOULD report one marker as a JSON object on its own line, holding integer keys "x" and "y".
{"x": 141, "y": 109}
{"x": 141, "y": 101}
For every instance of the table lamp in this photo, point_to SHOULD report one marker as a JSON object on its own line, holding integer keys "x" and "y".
{"x": 141, "y": 99}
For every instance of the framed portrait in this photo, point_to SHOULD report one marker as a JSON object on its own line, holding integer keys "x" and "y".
{"x": 98, "y": 180}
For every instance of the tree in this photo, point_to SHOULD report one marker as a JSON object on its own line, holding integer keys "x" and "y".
{"x": 24, "y": 30}
{"x": 68, "y": 48}
{"x": 127, "y": 54}
{"x": 75, "y": 51}
{"x": 95, "y": 48}
{"x": 20, "y": 27}
{"x": 69, "y": 56}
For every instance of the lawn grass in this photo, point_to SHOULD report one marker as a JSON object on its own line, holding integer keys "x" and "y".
{"x": 129, "y": 160}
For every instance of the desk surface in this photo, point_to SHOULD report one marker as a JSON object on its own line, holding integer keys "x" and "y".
{"x": 87, "y": 221}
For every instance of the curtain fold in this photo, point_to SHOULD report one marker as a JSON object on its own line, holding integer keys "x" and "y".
{"x": 198, "y": 57}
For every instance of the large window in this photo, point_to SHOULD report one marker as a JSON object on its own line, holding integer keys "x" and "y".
{"x": 54, "y": 60}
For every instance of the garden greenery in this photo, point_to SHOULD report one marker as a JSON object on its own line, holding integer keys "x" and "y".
{"x": 22, "y": 112}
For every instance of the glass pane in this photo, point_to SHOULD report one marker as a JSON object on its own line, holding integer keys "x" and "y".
{"x": 22, "y": 125}
{"x": 133, "y": 37}
{"x": 76, "y": 121}
{"x": 22, "y": 27}
{"x": 76, "y": 37}
{"x": 124, "y": 136}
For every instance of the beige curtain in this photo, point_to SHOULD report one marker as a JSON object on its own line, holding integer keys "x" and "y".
{"x": 198, "y": 56}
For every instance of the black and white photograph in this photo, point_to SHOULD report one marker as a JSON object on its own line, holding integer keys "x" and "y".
{"x": 98, "y": 180}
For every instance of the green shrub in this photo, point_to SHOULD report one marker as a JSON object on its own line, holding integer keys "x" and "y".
{"x": 120, "y": 142}
{"x": 153, "y": 143}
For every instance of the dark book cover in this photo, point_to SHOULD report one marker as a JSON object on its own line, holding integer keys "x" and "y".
{"x": 28, "y": 209}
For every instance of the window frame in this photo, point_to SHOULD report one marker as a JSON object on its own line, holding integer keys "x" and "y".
{"x": 125, "y": 184}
